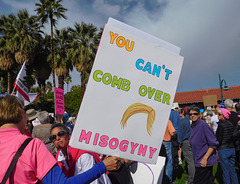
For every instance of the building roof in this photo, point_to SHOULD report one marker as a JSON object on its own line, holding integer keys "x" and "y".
{"x": 197, "y": 96}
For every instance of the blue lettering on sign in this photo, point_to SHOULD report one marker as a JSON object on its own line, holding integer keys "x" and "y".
{"x": 154, "y": 70}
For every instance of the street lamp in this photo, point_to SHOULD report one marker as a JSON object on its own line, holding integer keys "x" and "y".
{"x": 225, "y": 86}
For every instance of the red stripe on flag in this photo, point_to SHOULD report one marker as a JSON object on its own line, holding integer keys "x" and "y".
{"x": 22, "y": 93}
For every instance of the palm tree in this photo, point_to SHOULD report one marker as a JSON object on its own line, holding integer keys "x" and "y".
{"x": 26, "y": 33}
{"x": 83, "y": 50}
{"x": 68, "y": 79}
{"x": 49, "y": 9}
{"x": 7, "y": 60}
{"x": 62, "y": 62}
{"x": 42, "y": 63}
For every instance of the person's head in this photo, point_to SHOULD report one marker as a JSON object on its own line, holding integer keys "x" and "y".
{"x": 12, "y": 111}
{"x": 60, "y": 135}
{"x": 181, "y": 112}
{"x": 194, "y": 113}
{"x": 209, "y": 113}
{"x": 186, "y": 110}
{"x": 72, "y": 120}
{"x": 237, "y": 107}
{"x": 43, "y": 117}
{"x": 223, "y": 114}
{"x": 32, "y": 114}
{"x": 66, "y": 115}
{"x": 228, "y": 104}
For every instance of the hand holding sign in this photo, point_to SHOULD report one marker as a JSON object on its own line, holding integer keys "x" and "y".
{"x": 111, "y": 163}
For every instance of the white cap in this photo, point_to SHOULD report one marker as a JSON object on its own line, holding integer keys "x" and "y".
{"x": 174, "y": 105}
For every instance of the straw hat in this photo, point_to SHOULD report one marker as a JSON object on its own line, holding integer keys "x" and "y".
{"x": 31, "y": 114}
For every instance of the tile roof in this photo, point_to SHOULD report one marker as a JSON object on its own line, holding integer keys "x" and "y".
{"x": 197, "y": 96}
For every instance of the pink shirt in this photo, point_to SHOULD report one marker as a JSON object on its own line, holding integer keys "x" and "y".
{"x": 34, "y": 163}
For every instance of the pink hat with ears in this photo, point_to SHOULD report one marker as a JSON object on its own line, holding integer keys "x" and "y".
{"x": 225, "y": 113}
{"x": 239, "y": 116}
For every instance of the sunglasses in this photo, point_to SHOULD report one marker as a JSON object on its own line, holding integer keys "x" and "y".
{"x": 193, "y": 114}
{"x": 59, "y": 134}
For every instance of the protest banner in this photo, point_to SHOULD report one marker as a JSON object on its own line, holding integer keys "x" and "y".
{"x": 209, "y": 100}
{"x": 129, "y": 95}
{"x": 59, "y": 101}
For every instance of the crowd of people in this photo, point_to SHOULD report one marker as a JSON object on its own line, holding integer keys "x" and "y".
{"x": 204, "y": 139}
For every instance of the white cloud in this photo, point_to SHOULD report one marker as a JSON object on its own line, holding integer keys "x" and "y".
{"x": 105, "y": 9}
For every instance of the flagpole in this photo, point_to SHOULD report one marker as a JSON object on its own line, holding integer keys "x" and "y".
{"x": 13, "y": 89}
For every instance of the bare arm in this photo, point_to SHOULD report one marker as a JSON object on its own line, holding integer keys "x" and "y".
{"x": 204, "y": 160}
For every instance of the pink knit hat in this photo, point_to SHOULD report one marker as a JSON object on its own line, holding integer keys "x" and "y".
{"x": 225, "y": 113}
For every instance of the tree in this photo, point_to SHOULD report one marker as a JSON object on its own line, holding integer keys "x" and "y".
{"x": 42, "y": 63}
{"x": 51, "y": 9}
{"x": 7, "y": 60}
{"x": 26, "y": 32}
{"x": 68, "y": 79}
{"x": 49, "y": 87}
{"x": 18, "y": 44}
{"x": 62, "y": 62}
{"x": 25, "y": 35}
{"x": 73, "y": 100}
{"x": 83, "y": 50}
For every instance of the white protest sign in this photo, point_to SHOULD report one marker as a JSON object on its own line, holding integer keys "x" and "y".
{"x": 143, "y": 35}
{"x": 143, "y": 173}
{"x": 128, "y": 98}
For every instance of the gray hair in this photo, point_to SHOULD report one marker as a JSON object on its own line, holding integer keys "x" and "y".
{"x": 61, "y": 126}
{"x": 43, "y": 117}
{"x": 228, "y": 103}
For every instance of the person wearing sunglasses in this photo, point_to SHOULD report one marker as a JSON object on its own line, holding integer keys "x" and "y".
{"x": 73, "y": 161}
{"x": 36, "y": 162}
{"x": 226, "y": 149}
{"x": 204, "y": 144}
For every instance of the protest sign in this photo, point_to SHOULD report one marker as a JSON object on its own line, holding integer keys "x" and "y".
{"x": 128, "y": 98}
{"x": 143, "y": 173}
{"x": 59, "y": 101}
{"x": 209, "y": 100}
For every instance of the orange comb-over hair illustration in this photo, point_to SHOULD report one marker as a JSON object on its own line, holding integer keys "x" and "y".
{"x": 139, "y": 108}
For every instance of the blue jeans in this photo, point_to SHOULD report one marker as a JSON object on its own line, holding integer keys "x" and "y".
{"x": 227, "y": 161}
{"x": 169, "y": 165}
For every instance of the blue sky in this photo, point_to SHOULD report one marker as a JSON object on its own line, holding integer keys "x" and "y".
{"x": 208, "y": 32}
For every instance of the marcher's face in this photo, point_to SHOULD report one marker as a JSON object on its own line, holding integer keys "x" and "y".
{"x": 62, "y": 140}
{"x": 22, "y": 124}
{"x": 194, "y": 115}
{"x": 220, "y": 115}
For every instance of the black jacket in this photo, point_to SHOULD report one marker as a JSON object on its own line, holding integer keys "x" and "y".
{"x": 224, "y": 134}
{"x": 236, "y": 135}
